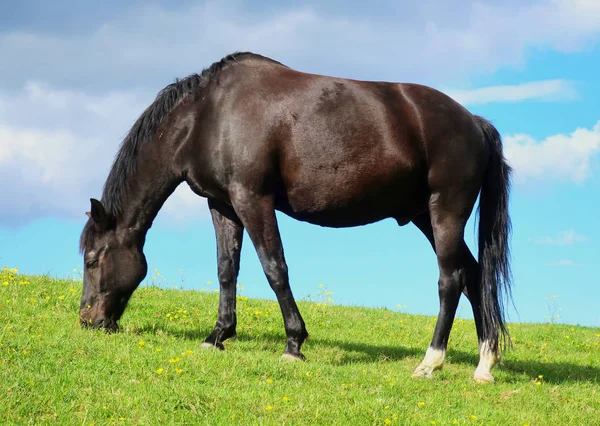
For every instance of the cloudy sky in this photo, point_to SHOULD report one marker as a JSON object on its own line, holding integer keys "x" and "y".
{"x": 74, "y": 76}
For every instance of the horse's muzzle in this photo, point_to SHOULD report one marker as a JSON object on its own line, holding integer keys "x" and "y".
{"x": 107, "y": 324}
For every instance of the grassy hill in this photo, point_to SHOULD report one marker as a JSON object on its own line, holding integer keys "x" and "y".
{"x": 358, "y": 368}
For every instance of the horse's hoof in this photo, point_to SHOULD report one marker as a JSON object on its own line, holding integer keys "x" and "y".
{"x": 293, "y": 358}
{"x": 423, "y": 372}
{"x": 208, "y": 345}
{"x": 483, "y": 377}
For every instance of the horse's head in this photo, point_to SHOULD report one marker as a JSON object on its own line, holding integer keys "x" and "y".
{"x": 114, "y": 265}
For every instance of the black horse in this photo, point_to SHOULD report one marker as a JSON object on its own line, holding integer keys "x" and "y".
{"x": 254, "y": 136}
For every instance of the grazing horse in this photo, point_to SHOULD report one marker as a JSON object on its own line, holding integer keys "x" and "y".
{"x": 254, "y": 136}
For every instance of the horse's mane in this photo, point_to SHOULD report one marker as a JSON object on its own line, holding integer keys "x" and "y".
{"x": 143, "y": 131}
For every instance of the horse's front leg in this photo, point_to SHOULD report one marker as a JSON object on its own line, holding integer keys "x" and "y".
{"x": 257, "y": 213}
{"x": 229, "y": 232}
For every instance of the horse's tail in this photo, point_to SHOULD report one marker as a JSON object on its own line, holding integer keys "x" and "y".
{"x": 494, "y": 232}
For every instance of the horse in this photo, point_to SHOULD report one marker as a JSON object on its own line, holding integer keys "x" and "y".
{"x": 254, "y": 136}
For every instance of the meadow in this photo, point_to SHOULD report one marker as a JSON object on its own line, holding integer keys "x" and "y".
{"x": 358, "y": 370}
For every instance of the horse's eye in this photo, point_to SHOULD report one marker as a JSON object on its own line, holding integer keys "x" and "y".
{"x": 91, "y": 264}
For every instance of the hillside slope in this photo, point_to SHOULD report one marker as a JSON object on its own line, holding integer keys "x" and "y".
{"x": 358, "y": 368}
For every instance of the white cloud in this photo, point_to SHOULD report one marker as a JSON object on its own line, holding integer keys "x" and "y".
{"x": 426, "y": 42}
{"x": 56, "y": 148}
{"x": 564, "y": 238}
{"x": 182, "y": 207}
{"x": 545, "y": 90}
{"x": 557, "y": 157}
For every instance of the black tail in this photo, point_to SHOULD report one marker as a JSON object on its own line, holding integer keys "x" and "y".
{"x": 494, "y": 233}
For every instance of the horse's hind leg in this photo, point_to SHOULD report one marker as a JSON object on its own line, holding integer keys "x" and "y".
{"x": 487, "y": 357}
{"x": 446, "y": 236}
{"x": 229, "y": 232}
{"x": 471, "y": 291}
{"x": 257, "y": 213}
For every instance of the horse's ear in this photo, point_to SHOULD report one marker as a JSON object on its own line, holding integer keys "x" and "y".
{"x": 98, "y": 214}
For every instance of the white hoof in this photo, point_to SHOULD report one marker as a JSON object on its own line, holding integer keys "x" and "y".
{"x": 206, "y": 345}
{"x": 423, "y": 372}
{"x": 290, "y": 358}
{"x": 487, "y": 360}
{"x": 483, "y": 376}
{"x": 434, "y": 360}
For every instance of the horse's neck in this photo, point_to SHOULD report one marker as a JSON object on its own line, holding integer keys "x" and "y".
{"x": 148, "y": 190}
{"x": 154, "y": 179}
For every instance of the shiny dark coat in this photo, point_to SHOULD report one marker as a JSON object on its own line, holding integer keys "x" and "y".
{"x": 254, "y": 136}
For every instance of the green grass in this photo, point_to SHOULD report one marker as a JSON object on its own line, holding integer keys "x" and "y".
{"x": 358, "y": 370}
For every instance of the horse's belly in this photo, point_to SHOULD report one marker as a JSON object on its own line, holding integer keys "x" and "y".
{"x": 336, "y": 203}
{"x": 337, "y": 218}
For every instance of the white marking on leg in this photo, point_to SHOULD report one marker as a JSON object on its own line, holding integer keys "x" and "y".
{"x": 290, "y": 357}
{"x": 433, "y": 360}
{"x": 206, "y": 345}
{"x": 487, "y": 360}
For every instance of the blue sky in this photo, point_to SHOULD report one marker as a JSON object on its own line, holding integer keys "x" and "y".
{"x": 75, "y": 75}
